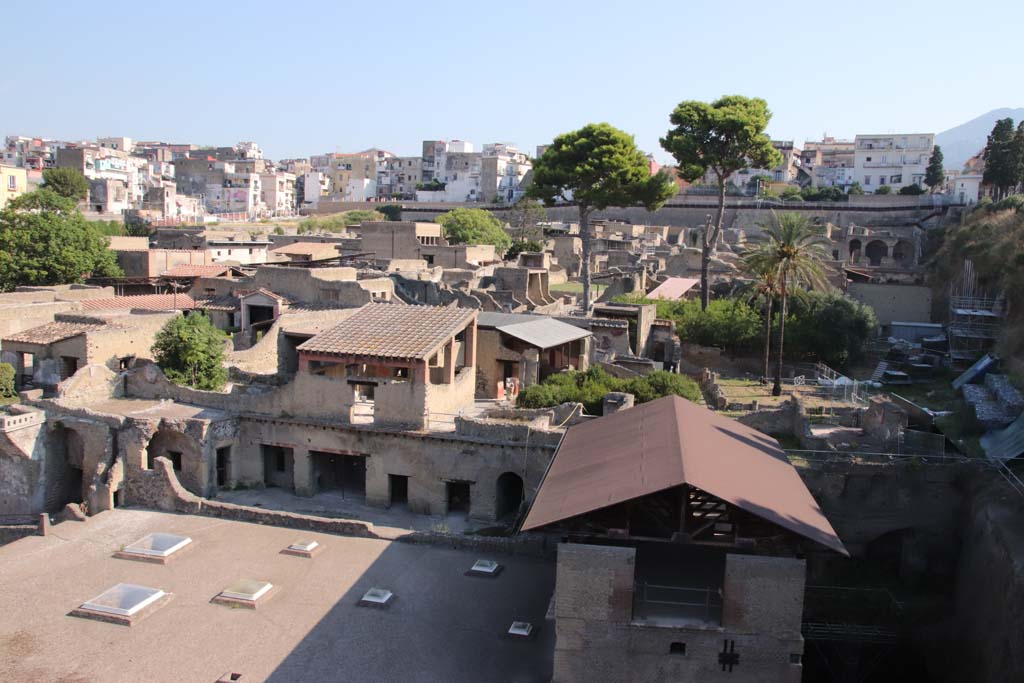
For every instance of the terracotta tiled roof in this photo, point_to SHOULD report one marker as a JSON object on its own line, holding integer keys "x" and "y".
{"x": 51, "y": 333}
{"x": 186, "y": 270}
{"x": 265, "y": 292}
{"x": 392, "y": 331}
{"x": 148, "y": 302}
{"x": 217, "y": 303}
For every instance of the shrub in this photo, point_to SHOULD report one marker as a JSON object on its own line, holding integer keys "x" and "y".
{"x": 393, "y": 212}
{"x": 7, "y": 381}
{"x": 827, "y": 327}
{"x": 884, "y": 189}
{"x": 911, "y": 190}
{"x": 519, "y": 247}
{"x": 1014, "y": 202}
{"x": 589, "y": 388}
{"x": 728, "y": 323}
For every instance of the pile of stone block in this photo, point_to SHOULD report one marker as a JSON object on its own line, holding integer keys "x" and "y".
{"x": 996, "y": 403}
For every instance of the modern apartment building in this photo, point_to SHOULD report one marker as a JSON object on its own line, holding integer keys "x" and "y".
{"x": 895, "y": 160}
{"x": 829, "y": 162}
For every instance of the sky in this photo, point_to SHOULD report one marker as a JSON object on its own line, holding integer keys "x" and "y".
{"x": 309, "y": 77}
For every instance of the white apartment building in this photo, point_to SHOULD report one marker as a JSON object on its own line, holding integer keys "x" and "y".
{"x": 278, "y": 193}
{"x": 894, "y": 160}
{"x": 315, "y": 185}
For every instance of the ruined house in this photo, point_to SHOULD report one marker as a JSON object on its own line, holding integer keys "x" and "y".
{"x": 682, "y": 537}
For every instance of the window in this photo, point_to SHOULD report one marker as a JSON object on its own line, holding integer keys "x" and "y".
{"x": 795, "y": 658}
{"x": 680, "y": 649}
{"x": 868, "y": 159}
{"x": 12, "y": 183}
{"x": 867, "y": 180}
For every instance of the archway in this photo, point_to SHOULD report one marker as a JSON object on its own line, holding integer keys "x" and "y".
{"x": 876, "y": 251}
{"x": 64, "y": 481}
{"x": 508, "y": 495}
{"x": 903, "y": 252}
{"x": 855, "y": 247}
{"x": 185, "y": 456}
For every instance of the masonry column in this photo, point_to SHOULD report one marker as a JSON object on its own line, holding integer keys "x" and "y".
{"x": 470, "y": 353}
{"x": 302, "y": 472}
{"x": 449, "y": 362}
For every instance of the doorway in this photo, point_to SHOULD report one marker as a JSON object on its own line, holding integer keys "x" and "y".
{"x": 508, "y": 495}
{"x": 223, "y": 460}
{"x": 278, "y": 466}
{"x": 458, "y": 496}
{"x": 398, "y": 489}
{"x": 345, "y": 474}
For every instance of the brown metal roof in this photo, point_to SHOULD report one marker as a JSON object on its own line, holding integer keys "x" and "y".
{"x": 667, "y": 443}
{"x": 392, "y": 331}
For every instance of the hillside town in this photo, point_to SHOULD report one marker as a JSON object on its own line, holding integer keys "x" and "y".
{"x": 731, "y": 407}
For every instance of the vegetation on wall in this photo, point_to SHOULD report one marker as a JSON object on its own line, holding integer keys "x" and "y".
{"x": 992, "y": 238}
{"x": 337, "y": 222}
{"x": 45, "y": 240}
{"x": 190, "y": 351}
{"x": 589, "y": 388}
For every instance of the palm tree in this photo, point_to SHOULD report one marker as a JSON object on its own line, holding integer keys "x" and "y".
{"x": 796, "y": 251}
{"x": 757, "y": 262}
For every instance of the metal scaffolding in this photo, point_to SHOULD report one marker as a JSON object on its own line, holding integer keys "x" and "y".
{"x": 975, "y": 318}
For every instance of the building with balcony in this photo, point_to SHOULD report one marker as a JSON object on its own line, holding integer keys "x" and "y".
{"x": 895, "y": 160}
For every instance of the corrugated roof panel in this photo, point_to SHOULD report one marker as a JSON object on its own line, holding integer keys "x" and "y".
{"x": 544, "y": 333}
{"x": 1006, "y": 444}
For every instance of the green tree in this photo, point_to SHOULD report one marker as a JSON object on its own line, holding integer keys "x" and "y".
{"x": 911, "y": 190}
{"x": 760, "y": 266}
{"x": 883, "y": 189}
{"x": 393, "y": 212}
{"x": 524, "y": 217}
{"x": 829, "y": 327}
{"x": 190, "y": 351}
{"x": 724, "y": 137}
{"x": 67, "y": 182}
{"x": 45, "y": 240}
{"x": 474, "y": 226}
{"x": 935, "y": 174}
{"x": 1002, "y": 164}
{"x": 520, "y": 246}
{"x": 596, "y": 167}
{"x": 796, "y": 251}
{"x": 855, "y": 189}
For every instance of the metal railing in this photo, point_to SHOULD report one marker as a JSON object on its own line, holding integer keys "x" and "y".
{"x": 701, "y": 603}
{"x": 880, "y": 458}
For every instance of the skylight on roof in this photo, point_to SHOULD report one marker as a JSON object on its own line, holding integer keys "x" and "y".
{"x": 124, "y": 599}
{"x": 158, "y": 545}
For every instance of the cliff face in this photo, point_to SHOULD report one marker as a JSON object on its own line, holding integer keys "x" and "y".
{"x": 988, "y": 628}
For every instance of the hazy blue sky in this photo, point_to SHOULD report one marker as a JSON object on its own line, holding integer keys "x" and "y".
{"x": 304, "y": 77}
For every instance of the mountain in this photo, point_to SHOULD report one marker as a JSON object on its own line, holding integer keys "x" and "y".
{"x": 964, "y": 141}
